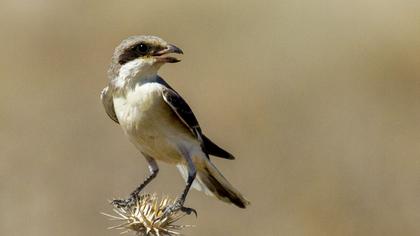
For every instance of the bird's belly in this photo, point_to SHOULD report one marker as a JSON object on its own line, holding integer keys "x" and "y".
{"x": 150, "y": 126}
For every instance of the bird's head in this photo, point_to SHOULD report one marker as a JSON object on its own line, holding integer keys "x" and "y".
{"x": 142, "y": 55}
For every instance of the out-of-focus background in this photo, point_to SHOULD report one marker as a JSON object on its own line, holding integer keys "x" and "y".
{"x": 318, "y": 100}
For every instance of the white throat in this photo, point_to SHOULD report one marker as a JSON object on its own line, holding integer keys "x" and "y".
{"x": 136, "y": 70}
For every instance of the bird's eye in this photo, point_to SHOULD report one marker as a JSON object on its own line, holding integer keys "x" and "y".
{"x": 141, "y": 48}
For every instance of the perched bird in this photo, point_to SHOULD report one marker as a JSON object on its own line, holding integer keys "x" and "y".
{"x": 159, "y": 122}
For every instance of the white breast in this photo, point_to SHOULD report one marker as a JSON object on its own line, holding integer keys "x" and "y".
{"x": 137, "y": 103}
{"x": 147, "y": 121}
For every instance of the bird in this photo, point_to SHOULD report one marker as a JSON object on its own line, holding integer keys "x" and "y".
{"x": 159, "y": 122}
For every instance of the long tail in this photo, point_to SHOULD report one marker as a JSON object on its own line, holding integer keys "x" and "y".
{"x": 210, "y": 181}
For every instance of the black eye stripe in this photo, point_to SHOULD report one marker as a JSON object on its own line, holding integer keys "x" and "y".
{"x": 134, "y": 52}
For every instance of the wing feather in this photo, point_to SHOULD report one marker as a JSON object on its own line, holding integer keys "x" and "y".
{"x": 182, "y": 110}
{"x": 185, "y": 114}
{"x": 108, "y": 102}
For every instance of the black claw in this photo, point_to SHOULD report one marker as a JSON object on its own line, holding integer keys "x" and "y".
{"x": 119, "y": 203}
{"x": 124, "y": 203}
{"x": 188, "y": 211}
{"x": 178, "y": 206}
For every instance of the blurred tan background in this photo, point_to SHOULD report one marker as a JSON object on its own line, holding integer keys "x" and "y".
{"x": 318, "y": 100}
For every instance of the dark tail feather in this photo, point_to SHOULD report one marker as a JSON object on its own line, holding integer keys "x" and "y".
{"x": 225, "y": 194}
{"x": 220, "y": 187}
{"x": 214, "y": 150}
{"x": 210, "y": 181}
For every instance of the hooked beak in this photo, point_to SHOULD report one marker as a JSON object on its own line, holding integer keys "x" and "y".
{"x": 161, "y": 55}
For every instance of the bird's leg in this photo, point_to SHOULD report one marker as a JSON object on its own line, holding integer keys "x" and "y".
{"x": 179, "y": 204}
{"x": 154, "y": 169}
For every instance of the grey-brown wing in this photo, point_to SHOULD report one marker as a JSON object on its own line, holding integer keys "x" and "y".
{"x": 185, "y": 114}
{"x": 108, "y": 102}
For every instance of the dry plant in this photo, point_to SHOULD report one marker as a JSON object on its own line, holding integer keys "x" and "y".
{"x": 147, "y": 218}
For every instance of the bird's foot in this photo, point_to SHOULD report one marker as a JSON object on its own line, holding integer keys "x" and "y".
{"x": 188, "y": 210}
{"x": 178, "y": 206}
{"x": 125, "y": 203}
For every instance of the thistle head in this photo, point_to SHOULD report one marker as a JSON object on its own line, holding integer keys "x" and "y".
{"x": 146, "y": 217}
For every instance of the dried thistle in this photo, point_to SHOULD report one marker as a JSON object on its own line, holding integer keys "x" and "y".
{"x": 146, "y": 217}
